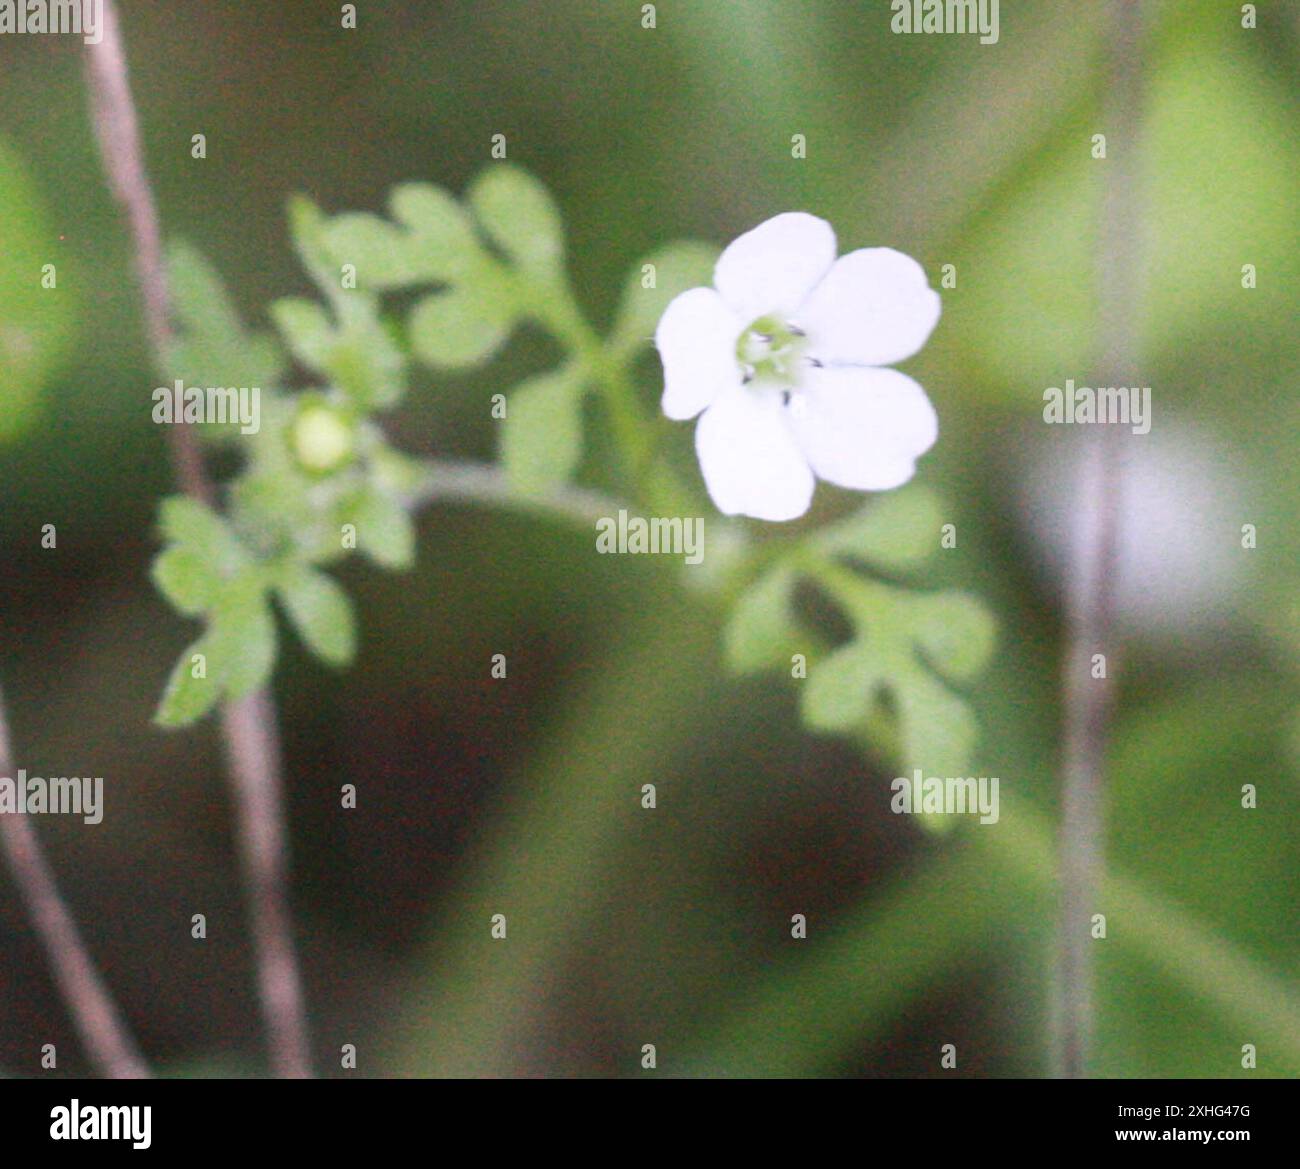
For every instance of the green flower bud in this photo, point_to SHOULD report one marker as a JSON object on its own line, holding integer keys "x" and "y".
{"x": 323, "y": 437}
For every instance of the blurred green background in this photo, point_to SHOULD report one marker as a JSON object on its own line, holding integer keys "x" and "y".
{"x": 477, "y": 797}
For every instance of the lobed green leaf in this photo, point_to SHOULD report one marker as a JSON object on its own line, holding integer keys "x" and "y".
{"x": 321, "y": 612}
{"x": 673, "y": 270}
{"x": 541, "y": 440}
{"x": 520, "y": 217}
{"x": 760, "y": 631}
{"x": 186, "y": 699}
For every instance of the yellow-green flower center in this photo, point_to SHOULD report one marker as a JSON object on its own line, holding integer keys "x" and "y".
{"x": 772, "y": 353}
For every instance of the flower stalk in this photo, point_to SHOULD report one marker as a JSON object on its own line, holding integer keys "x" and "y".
{"x": 247, "y": 725}
{"x": 103, "y": 1032}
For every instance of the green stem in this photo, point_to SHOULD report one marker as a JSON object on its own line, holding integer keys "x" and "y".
{"x": 852, "y": 590}
{"x": 634, "y": 430}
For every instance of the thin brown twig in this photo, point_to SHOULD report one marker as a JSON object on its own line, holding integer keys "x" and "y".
{"x": 99, "y": 1023}
{"x": 248, "y": 725}
{"x": 1096, "y": 563}
{"x": 123, "y": 156}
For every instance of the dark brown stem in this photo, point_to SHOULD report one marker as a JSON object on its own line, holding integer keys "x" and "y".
{"x": 248, "y": 725}
{"x": 109, "y": 1046}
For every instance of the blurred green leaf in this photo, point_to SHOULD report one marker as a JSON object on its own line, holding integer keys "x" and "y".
{"x": 896, "y": 531}
{"x": 841, "y": 689}
{"x": 357, "y": 355}
{"x": 440, "y": 230}
{"x": 321, "y": 612}
{"x": 384, "y": 529}
{"x": 186, "y": 699}
{"x": 35, "y": 322}
{"x": 197, "y": 528}
{"x": 381, "y": 253}
{"x": 211, "y": 346}
{"x": 273, "y": 504}
{"x": 955, "y": 633}
{"x": 878, "y": 679}
{"x": 760, "y": 629}
{"x": 879, "y": 684}
{"x": 186, "y": 578}
{"x": 306, "y": 328}
{"x": 676, "y": 268}
{"x": 541, "y": 441}
{"x": 241, "y": 636}
{"x": 464, "y": 325}
{"x": 519, "y": 215}
{"x": 366, "y": 363}
{"x": 395, "y": 473}
{"x": 307, "y": 228}
{"x": 937, "y": 729}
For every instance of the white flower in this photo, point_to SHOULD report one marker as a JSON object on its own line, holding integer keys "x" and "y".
{"x": 783, "y": 357}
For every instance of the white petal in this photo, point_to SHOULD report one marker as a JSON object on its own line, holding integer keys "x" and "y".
{"x": 751, "y": 463}
{"x": 772, "y": 268}
{"x": 696, "y": 339}
{"x": 863, "y": 428}
{"x": 873, "y": 308}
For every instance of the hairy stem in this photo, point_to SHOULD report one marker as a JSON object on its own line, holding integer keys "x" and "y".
{"x": 110, "y": 1047}
{"x": 248, "y": 726}
{"x": 1090, "y": 600}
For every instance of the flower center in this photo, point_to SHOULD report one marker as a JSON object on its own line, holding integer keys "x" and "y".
{"x": 772, "y": 353}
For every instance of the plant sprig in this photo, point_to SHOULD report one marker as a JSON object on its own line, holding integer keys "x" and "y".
{"x": 320, "y": 480}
